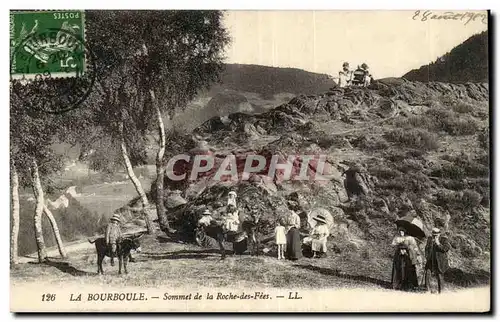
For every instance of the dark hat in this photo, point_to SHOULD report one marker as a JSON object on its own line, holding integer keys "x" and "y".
{"x": 320, "y": 218}
{"x": 345, "y": 64}
{"x": 364, "y": 66}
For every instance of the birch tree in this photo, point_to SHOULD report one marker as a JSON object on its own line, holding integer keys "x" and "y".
{"x": 32, "y": 132}
{"x": 171, "y": 56}
{"x": 14, "y": 235}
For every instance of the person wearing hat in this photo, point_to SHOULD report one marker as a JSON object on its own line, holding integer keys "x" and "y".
{"x": 368, "y": 76}
{"x": 436, "y": 256}
{"x": 319, "y": 235}
{"x": 361, "y": 76}
{"x": 407, "y": 257}
{"x": 231, "y": 198}
{"x": 206, "y": 218}
{"x": 345, "y": 75}
{"x": 113, "y": 235}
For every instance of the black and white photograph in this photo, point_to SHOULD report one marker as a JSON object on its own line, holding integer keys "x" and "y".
{"x": 249, "y": 161}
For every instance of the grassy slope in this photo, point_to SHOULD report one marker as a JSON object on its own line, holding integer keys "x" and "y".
{"x": 177, "y": 265}
{"x": 168, "y": 264}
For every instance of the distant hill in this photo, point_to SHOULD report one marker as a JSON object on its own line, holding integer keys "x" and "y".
{"x": 269, "y": 81}
{"x": 468, "y": 62}
{"x": 251, "y": 89}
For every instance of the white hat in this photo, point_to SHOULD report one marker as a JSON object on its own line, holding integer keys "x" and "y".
{"x": 436, "y": 230}
{"x": 232, "y": 193}
{"x": 207, "y": 212}
{"x": 115, "y": 217}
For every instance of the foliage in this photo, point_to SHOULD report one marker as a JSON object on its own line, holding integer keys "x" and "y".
{"x": 31, "y": 135}
{"x": 413, "y": 138}
{"x": 468, "y": 62}
{"x": 440, "y": 119}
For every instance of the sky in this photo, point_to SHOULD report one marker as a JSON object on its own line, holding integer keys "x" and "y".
{"x": 390, "y": 42}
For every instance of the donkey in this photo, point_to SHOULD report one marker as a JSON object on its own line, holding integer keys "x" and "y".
{"x": 125, "y": 245}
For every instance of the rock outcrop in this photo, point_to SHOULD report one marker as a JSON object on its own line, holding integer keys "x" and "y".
{"x": 394, "y": 148}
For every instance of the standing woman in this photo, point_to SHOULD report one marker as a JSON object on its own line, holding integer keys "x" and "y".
{"x": 293, "y": 244}
{"x": 407, "y": 256}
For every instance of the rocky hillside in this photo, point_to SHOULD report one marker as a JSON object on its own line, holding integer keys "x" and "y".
{"x": 396, "y": 148}
{"x": 468, "y": 62}
{"x": 250, "y": 89}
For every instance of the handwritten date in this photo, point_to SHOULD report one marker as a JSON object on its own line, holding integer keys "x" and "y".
{"x": 465, "y": 17}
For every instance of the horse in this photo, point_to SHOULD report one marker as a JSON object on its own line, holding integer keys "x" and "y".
{"x": 249, "y": 226}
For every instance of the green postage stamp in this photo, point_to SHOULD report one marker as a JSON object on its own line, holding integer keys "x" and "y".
{"x": 47, "y": 44}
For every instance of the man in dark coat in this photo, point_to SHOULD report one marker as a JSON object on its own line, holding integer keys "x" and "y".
{"x": 436, "y": 259}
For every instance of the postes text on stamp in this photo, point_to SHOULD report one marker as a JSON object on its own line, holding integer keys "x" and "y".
{"x": 47, "y": 43}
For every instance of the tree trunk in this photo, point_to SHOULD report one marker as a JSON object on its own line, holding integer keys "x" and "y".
{"x": 160, "y": 169}
{"x": 38, "y": 191}
{"x": 55, "y": 229}
{"x": 135, "y": 181}
{"x": 14, "y": 183}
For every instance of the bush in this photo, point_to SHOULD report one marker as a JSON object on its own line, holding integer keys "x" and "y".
{"x": 483, "y": 137}
{"x": 370, "y": 143}
{"x": 439, "y": 119}
{"x": 462, "y": 166}
{"x": 462, "y": 200}
{"x": 463, "y": 108}
{"x": 410, "y": 165}
{"x": 421, "y": 121}
{"x": 413, "y": 138}
{"x": 384, "y": 172}
{"x": 457, "y": 126}
{"x": 452, "y": 123}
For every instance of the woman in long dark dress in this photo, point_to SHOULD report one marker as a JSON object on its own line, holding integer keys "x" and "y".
{"x": 406, "y": 257}
{"x": 293, "y": 243}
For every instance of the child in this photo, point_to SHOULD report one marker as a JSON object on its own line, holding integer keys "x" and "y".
{"x": 280, "y": 237}
{"x": 113, "y": 235}
{"x": 232, "y": 220}
{"x": 231, "y": 198}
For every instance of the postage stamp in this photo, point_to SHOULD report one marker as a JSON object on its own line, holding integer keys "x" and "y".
{"x": 52, "y": 68}
{"x": 47, "y": 43}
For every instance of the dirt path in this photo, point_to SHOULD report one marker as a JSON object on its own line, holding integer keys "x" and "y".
{"x": 71, "y": 247}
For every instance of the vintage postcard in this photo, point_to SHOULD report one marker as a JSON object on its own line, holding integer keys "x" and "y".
{"x": 249, "y": 161}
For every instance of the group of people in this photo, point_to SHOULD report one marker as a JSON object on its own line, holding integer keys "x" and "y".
{"x": 230, "y": 216}
{"x": 287, "y": 237}
{"x": 359, "y": 77}
{"x": 408, "y": 262}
